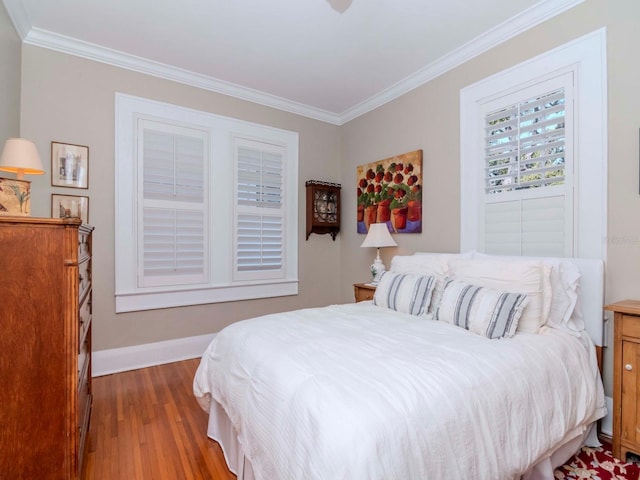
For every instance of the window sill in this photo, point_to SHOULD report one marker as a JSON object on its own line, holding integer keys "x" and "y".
{"x": 137, "y": 301}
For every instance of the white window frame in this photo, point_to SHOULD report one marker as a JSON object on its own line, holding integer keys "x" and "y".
{"x": 220, "y": 285}
{"x": 585, "y": 58}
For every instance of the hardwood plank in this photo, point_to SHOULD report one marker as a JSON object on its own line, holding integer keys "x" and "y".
{"x": 147, "y": 424}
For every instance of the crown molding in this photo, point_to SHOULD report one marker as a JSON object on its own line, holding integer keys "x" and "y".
{"x": 19, "y": 17}
{"x": 91, "y": 51}
{"x": 531, "y": 17}
{"x": 512, "y": 27}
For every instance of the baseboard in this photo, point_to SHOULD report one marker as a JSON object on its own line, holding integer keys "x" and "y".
{"x": 606, "y": 424}
{"x": 106, "y": 362}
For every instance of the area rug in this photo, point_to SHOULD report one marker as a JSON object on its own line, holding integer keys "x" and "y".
{"x": 597, "y": 464}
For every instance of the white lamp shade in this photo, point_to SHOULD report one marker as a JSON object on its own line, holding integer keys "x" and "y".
{"x": 20, "y": 156}
{"x": 379, "y": 236}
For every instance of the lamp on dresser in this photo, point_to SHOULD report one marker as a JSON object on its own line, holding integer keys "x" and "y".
{"x": 21, "y": 157}
{"x": 378, "y": 237}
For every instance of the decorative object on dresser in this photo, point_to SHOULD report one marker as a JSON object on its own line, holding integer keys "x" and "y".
{"x": 363, "y": 291}
{"x": 45, "y": 347}
{"x": 626, "y": 382}
{"x": 378, "y": 237}
{"x": 323, "y": 208}
{"x": 21, "y": 157}
{"x": 69, "y": 165}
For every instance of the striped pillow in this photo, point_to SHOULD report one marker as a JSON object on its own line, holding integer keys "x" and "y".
{"x": 481, "y": 310}
{"x": 406, "y": 293}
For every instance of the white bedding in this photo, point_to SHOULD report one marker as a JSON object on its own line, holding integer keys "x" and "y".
{"x": 361, "y": 392}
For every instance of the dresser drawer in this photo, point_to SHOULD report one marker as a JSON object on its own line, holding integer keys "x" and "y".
{"x": 631, "y": 326}
{"x": 84, "y": 356}
{"x": 84, "y": 402}
{"x": 84, "y": 247}
{"x": 84, "y": 318}
{"x": 84, "y": 277}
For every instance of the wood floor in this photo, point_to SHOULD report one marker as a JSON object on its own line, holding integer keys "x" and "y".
{"x": 146, "y": 424}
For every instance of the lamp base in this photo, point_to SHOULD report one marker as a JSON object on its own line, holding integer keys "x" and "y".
{"x": 15, "y": 197}
{"x": 377, "y": 269}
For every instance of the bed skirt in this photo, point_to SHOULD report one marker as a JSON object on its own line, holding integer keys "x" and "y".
{"x": 222, "y": 431}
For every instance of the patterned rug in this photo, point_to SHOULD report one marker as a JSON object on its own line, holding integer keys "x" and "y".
{"x": 597, "y": 464}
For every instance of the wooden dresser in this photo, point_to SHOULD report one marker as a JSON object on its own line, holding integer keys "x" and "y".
{"x": 626, "y": 381}
{"x": 45, "y": 347}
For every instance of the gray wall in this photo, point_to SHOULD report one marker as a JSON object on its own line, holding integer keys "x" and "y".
{"x": 70, "y": 99}
{"x": 9, "y": 78}
{"x": 428, "y": 118}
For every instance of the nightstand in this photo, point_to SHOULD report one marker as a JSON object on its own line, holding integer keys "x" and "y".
{"x": 626, "y": 381}
{"x": 363, "y": 291}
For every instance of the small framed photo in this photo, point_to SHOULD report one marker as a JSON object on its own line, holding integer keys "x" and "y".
{"x": 69, "y": 165}
{"x": 67, "y": 206}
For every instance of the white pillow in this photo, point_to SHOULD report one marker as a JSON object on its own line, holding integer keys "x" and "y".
{"x": 431, "y": 264}
{"x": 427, "y": 263}
{"x": 564, "y": 282}
{"x": 530, "y": 277}
{"x": 565, "y": 313}
{"x": 485, "y": 311}
{"x": 406, "y": 293}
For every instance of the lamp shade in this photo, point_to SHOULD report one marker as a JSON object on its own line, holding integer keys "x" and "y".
{"x": 21, "y": 157}
{"x": 379, "y": 236}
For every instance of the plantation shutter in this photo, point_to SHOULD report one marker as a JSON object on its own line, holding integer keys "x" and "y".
{"x": 172, "y": 206}
{"x": 527, "y": 194}
{"x": 260, "y": 228}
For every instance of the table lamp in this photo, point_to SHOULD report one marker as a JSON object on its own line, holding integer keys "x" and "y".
{"x": 378, "y": 237}
{"x": 21, "y": 157}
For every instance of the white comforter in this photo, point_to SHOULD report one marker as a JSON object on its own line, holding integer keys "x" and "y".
{"x": 362, "y": 393}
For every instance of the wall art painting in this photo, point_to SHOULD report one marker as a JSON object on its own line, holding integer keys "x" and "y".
{"x": 390, "y": 191}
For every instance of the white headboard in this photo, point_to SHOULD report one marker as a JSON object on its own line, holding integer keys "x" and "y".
{"x": 592, "y": 296}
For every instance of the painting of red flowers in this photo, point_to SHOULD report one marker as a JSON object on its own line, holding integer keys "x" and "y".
{"x": 390, "y": 191}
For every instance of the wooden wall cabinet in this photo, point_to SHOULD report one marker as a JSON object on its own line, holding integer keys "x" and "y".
{"x": 626, "y": 378}
{"x": 45, "y": 347}
{"x": 323, "y": 208}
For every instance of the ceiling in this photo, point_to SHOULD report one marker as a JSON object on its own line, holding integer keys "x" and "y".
{"x": 304, "y": 56}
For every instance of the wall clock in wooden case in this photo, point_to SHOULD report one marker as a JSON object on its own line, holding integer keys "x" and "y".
{"x": 323, "y": 208}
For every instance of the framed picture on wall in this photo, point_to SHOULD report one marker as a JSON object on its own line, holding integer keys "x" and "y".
{"x": 68, "y": 206}
{"x": 69, "y": 165}
{"x": 390, "y": 191}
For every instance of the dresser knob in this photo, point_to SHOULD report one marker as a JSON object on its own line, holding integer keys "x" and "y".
{"x": 628, "y": 366}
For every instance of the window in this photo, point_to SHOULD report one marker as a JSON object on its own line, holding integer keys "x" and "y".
{"x": 528, "y": 162}
{"x": 171, "y": 171}
{"x": 259, "y": 222}
{"x": 183, "y": 178}
{"x": 533, "y": 156}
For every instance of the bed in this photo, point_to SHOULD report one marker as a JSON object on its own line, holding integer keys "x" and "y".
{"x": 463, "y": 366}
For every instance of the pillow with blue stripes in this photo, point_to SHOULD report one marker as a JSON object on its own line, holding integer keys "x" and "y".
{"x": 485, "y": 311}
{"x": 404, "y": 292}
